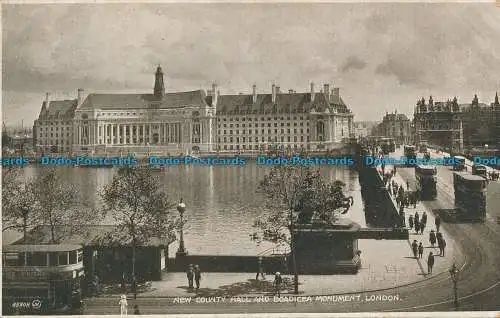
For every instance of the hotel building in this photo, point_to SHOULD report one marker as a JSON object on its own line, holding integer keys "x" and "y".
{"x": 194, "y": 122}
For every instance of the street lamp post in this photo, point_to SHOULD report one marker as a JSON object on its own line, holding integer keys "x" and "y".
{"x": 181, "y": 207}
{"x": 453, "y": 274}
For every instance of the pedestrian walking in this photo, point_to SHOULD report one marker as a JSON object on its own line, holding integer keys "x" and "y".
{"x": 432, "y": 238}
{"x": 197, "y": 276}
{"x": 414, "y": 247}
{"x": 123, "y": 305}
{"x": 417, "y": 217}
{"x": 440, "y": 245}
{"x": 422, "y": 227}
{"x": 278, "y": 280}
{"x": 190, "y": 275}
{"x": 417, "y": 226}
{"x": 407, "y": 185}
{"x": 444, "y": 245}
{"x": 430, "y": 263}
{"x": 437, "y": 222}
{"x": 260, "y": 270}
{"x": 424, "y": 219}
{"x": 136, "y": 310}
{"x": 420, "y": 250}
{"x": 410, "y": 221}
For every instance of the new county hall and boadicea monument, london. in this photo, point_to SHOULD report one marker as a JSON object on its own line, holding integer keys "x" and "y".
{"x": 193, "y": 122}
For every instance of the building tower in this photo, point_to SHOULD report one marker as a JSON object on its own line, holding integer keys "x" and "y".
{"x": 159, "y": 89}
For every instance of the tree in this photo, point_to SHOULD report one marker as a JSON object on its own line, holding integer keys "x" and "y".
{"x": 297, "y": 194}
{"x": 140, "y": 208}
{"x": 18, "y": 203}
{"x": 43, "y": 200}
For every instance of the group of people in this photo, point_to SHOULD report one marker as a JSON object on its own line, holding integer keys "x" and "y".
{"x": 434, "y": 237}
{"x": 418, "y": 223}
{"x": 278, "y": 280}
{"x": 193, "y": 274}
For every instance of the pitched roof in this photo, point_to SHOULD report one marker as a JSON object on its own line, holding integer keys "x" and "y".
{"x": 285, "y": 103}
{"x": 86, "y": 235}
{"x": 58, "y": 109}
{"x": 395, "y": 117}
{"x": 141, "y": 101}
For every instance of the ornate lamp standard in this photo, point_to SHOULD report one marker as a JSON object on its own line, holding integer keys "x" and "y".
{"x": 181, "y": 207}
{"x": 453, "y": 274}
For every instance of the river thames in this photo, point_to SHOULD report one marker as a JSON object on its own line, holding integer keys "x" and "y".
{"x": 222, "y": 202}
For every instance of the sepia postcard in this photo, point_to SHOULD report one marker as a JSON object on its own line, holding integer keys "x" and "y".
{"x": 260, "y": 159}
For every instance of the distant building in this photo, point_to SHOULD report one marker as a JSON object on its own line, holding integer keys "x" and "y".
{"x": 53, "y": 130}
{"x": 194, "y": 122}
{"x": 396, "y": 126}
{"x": 455, "y": 126}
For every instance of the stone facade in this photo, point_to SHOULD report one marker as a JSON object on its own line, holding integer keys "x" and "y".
{"x": 455, "y": 126}
{"x": 196, "y": 122}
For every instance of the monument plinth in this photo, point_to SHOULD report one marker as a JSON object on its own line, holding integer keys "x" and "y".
{"x": 327, "y": 248}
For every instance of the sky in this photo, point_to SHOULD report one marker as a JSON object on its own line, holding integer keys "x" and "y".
{"x": 383, "y": 57}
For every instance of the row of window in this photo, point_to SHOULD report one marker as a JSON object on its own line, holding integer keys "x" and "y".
{"x": 243, "y": 132}
{"x": 53, "y": 142}
{"x": 52, "y": 123}
{"x": 52, "y": 135}
{"x": 68, "y": 128}
{"x": 269, "y": 138}
{"x": 256, "y": 119}
{"x": 257, "y": 147}
{"x": 42, "y": 258}
{"x": 263, "y": 125}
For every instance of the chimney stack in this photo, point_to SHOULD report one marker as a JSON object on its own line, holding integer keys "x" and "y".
{"x": 326, "y": 89}
{"x": 214, "y": 94}
{"x": 336, "y": 93}
{"x": 290, "y": 91}
{"x": 273, "y": 92}
{"x": 80, "y": 96}
{"x": 312, "y": 92}
{"x": 254, "y": 93}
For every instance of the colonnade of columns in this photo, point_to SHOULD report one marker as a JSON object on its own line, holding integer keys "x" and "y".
{"x": 122, "y": 134}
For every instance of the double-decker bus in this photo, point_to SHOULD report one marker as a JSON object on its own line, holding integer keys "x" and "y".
{"x": 426, "y": 180}
{"x": 460, "y": 163}
{"x": 387, "y": 145}
{"x": 422, "y": 147}
{"x": 410, "y": 154}
{"x": 470, "y": 196}
{"x": 480, "y": 170}
{"x": 41, "y": 279}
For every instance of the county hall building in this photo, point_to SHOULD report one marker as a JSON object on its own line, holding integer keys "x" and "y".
{"x": 172, "y": 123}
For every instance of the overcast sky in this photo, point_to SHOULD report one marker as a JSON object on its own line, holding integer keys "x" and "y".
{"x": 382, "y": 56}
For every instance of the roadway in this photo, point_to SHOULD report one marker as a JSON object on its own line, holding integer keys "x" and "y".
{"x": 478, "y": 286}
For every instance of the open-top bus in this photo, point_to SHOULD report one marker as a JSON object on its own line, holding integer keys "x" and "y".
{"x": 387, "y": 145}
{"x": 470, "y": 196}
{"x": 426, "y": 180}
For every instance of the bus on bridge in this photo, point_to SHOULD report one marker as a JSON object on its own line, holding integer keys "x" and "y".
{"x": 410, "y": 153}
{"x": 470, "y": 196}
{"x": 426, "y": 181}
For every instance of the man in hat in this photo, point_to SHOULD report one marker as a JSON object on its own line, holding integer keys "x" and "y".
{"x": 197, "y": 276}
{"x": 430, "y": 263}
{"x": 278, "y": 280}
{"x": 432, "y": 238}
{"x": 190, "y": 275}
